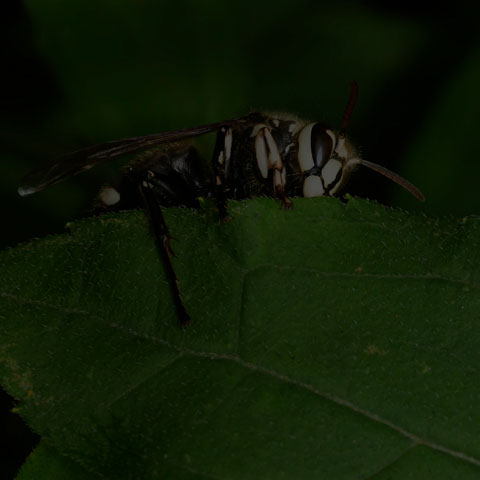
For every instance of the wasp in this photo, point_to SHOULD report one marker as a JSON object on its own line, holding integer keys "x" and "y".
{"x": 261, "y": 154}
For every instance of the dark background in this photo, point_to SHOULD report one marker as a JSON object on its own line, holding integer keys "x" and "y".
{"x": 80, "y": 72}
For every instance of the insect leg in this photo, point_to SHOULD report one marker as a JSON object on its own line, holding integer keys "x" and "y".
{"x": 221, "y": 161}
{"x": 269, "y": 158}
{"x": 162, "y": 238}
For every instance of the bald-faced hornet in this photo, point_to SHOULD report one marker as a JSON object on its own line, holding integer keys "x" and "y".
{"x": 260, "y": 154}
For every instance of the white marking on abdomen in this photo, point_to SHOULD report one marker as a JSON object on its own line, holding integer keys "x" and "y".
{"x": 24, "y": 191}
{"x": 110, "y": 196}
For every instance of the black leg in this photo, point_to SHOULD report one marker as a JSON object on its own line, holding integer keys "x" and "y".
{"x": 287, "y": 204}
{"x": 162, "y": 238}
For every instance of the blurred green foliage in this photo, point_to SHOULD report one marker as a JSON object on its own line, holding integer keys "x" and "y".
{"x": 84, "y": 72}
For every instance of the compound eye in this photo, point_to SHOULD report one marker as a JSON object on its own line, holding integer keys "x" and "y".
{"x": 322, "y": 144}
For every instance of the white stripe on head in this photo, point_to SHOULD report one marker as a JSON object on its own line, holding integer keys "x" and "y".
{"x": 330, "y": 171}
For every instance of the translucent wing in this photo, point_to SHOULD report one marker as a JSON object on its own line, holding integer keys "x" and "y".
{"x": 87, "y": 158}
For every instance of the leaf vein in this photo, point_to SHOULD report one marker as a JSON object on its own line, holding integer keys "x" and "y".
{"x": 266, "y": 371}
{"x": 391, "y": 462}
{"x": 387, "y": 276}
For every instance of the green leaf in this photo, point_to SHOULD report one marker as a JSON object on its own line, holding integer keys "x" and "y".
{"x": 331, "y": 341}
{"x": 45, "y": 462}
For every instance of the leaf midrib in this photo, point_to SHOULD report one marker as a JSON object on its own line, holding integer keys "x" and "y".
{"x": 339, "y": 401}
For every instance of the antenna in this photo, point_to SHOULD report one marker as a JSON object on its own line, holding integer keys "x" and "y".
{"x": 394, "y": 177}
{"x": 378, "y": 168}
{"x": 349, "y": 108}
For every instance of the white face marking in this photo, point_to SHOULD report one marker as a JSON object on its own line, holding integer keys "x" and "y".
{"x": 261, "y": 153}
{"x": 305, "y": 158}
{"x": 228, "y": 144}
{"x": 333, "y": 137}
{"x": 340, "y": 149}
{"x": 312, "y": 187}
{"x": 330, "y": 171}
{"x": 276, "y": 122}
{"x": 347, "y": 167}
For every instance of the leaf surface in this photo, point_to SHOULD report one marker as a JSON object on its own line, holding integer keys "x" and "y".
{"x": 331, "y": 341}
